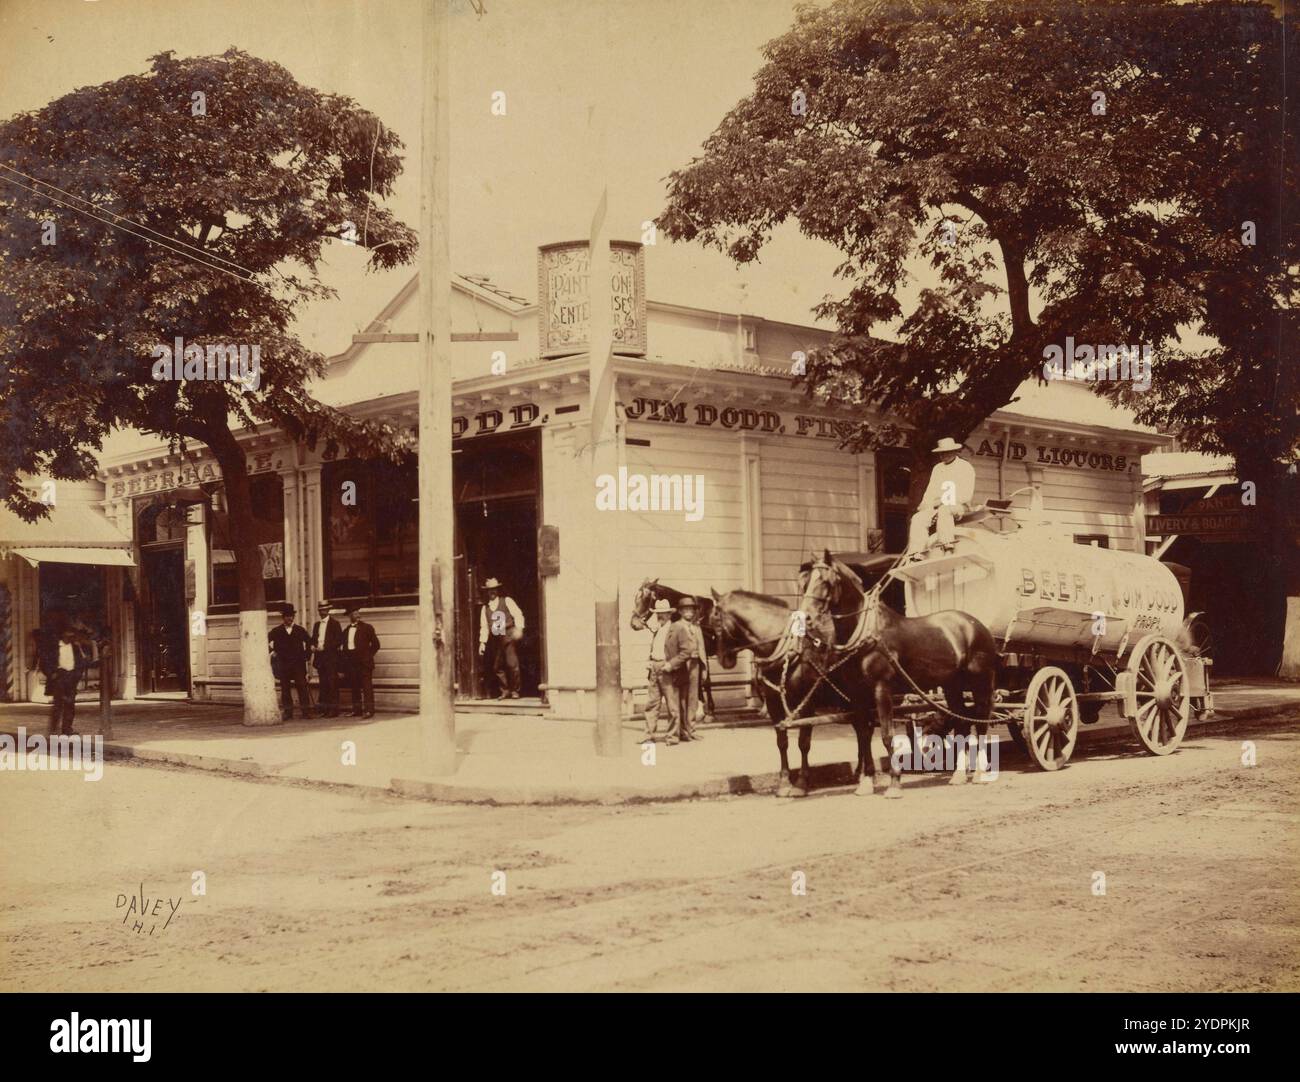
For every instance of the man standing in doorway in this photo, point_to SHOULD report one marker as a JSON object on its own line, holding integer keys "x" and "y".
{"x": 660, "y": 692}
{"x": 291, "y": 645}
{"x": 360, "y": 645}
{"x": 683, "y": 648}
{"x": 947, "y": 497}
{"x": 65, "y": 674}
{"x": 500, "y": 626}
{"x": 326, "y": 639}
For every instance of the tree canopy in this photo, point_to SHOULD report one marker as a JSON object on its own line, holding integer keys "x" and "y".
{"x": 190, "y": 201}
{"x": 1001, "y": 176}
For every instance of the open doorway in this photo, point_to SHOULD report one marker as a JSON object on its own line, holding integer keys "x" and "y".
{"x": 163, "y": 625}
{"x": 72, "y": 596}
{"x": 497, "y": 490}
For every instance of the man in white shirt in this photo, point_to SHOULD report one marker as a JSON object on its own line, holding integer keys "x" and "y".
{"x": 500, "y": 626}
{"x": 947, "y": 497}
{"x": 63, "y": 681}
{"x": 659, "y": 688}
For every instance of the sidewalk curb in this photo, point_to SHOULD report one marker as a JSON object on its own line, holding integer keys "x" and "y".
{"x": 212, "y": 763}
{"x": 823, "y": 774}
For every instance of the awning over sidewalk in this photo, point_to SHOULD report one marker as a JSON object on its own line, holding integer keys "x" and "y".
{"x": 99, "y": 557}
{"x": 72, "y": 533}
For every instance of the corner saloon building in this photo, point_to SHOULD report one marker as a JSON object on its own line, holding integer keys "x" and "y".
{"x": 707, "y": 410}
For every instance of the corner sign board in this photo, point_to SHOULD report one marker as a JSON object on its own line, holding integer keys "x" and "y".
{"x": 548, "y": 550}
{"x": 563, "y": 298}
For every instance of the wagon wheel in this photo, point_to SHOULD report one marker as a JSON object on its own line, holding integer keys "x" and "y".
{"x": 1051, "y": 718}
{"x": 1163, "y": 702}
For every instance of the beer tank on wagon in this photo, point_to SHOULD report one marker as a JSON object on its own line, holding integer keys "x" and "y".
{"x": 1041, "y": 594}
{"x": 1076, "y": 627}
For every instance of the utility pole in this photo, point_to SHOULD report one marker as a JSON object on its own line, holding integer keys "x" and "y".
{"x": 437, "y": 604}
{"x": 604, "y": 460}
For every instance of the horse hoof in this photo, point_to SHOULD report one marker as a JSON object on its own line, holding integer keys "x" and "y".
{"x": 785, "y": 789}
{"x": 958, "y": 778}
{"x": 866, "y": 787}
{"x": 985, "y": 776}
{"x": 798, "y": 790}
{"x": 894, "y": 792}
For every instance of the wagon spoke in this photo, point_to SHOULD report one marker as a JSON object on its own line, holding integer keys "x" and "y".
{"x": 1051, "y": 715}
{"x": 1160, "y": 680}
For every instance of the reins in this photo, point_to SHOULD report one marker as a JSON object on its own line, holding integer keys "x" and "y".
{"x": 856, "y": 644}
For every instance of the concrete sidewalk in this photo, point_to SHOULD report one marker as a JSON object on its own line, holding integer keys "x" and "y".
{"x": 505, "y": 759}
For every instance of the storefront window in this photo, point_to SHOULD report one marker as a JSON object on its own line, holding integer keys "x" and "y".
{"x": 371, "y": 524}
{"x": 268, "y": 529}
{"x": 161, "y": 522}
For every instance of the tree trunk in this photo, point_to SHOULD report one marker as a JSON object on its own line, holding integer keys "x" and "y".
{"x": 260, "y": 704}
{"x": 1275, "y": 576}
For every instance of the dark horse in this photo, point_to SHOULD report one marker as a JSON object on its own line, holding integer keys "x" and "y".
{"x": 951, "y": 650}
{"x": 643, "y": 604}
{"x": 790, "y": 683}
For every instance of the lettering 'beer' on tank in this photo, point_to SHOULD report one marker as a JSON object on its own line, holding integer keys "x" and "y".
{"x": 1045, "y": 591}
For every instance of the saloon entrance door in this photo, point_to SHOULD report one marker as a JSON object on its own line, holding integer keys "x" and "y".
{"x": 497, "y": 484}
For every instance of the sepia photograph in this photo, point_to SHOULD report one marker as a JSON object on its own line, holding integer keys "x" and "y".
{"x": 582, "y": 496}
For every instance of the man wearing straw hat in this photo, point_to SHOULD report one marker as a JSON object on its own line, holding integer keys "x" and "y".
{"x": 500, "y": 626}
{"x": 947, "y": 497}
{"x": 660, "y": 693}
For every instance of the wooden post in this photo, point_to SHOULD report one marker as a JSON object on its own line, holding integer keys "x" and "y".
{"x": 604, "y": 460}
{"x": 107, "y": 677}
{"x": 436, "y": 620}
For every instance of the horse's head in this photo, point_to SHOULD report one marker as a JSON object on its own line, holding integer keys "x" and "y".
{"x": 643, "y": 603}
{"x": 821, "y": 584}
{"x": 723, "y": 626}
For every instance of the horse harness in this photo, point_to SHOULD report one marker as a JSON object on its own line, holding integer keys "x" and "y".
{"x": 788, "y": 658}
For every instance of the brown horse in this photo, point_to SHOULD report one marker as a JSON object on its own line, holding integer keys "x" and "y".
{"x": 790, "y": 684}
{"x": 951, "y": 650}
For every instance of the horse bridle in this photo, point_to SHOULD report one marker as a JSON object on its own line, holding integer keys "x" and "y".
{"x": 642, "y": 610}
{"x": 863, "y": 632}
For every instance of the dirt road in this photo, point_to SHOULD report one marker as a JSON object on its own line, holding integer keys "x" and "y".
{"x": 991, "y": 887}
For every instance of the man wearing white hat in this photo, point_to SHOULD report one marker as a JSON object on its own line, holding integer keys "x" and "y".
{"x": 947, "y": 497}
{"x": 500, "y": 626}
{"x": 659, "y": 686}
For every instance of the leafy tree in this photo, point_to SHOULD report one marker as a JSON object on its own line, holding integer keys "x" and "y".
{"x": 1073, "y": 169}
{"x": 193, "y": 201}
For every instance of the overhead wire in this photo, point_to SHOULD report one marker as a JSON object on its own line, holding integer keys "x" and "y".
{"x": 113, "y": 225}
{"x": 203, "y": 253}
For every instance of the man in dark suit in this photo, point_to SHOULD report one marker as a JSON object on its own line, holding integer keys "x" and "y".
{"x": 360, "y": 645}
{"x": 683, "y": 649}
{"x": 291, "y": 646}
{"x": 326, "y": 641}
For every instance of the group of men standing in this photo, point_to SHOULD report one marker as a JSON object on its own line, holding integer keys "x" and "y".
{"x": 678, "y": 657}
{"x": 333, "y": 650}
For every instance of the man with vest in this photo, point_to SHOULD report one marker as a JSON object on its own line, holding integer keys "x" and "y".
{"x": 500, "y": 626}
{"x": 326, "y": 641}
{"x": 660, "y": 693}
{"x": 684, "y": 655}
{"x": 360, "y": 645}
{"x": 947, "y": 497}
{"x": 290, "y": 647}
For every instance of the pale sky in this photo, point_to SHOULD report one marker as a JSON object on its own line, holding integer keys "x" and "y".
{"x": 655, "y": 76}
